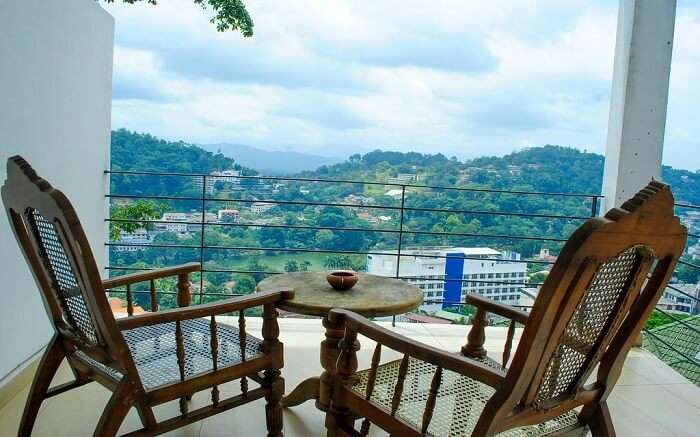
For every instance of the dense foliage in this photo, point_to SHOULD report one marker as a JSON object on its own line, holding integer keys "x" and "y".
{"x": 228, "y": 14}
{"x": 341, "y": 218}
{"x": 143, "y": 152}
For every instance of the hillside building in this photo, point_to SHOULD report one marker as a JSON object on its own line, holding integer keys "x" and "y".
{"x": 446, "y": 275}
{"x": 682, "y": 298}
{"x": 229, "y": 215}
{"x": 261, "y": 207}
{"x": 135, "y": 240}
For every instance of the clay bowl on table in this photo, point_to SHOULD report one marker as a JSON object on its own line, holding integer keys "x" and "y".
{"x": 342, "y": 280}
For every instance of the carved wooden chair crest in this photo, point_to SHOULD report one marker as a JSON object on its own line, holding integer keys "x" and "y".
{"x": 599, "y": 294}
{"x": 145, "y": 360}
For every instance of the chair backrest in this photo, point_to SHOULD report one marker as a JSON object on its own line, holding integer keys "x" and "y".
{"x": 594, "y": 303}
{"x": 55, "y": 247}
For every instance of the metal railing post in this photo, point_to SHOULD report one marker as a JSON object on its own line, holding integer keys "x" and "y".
{"x": 201, "y": 239}
{"x": 594, "y": 206}
{"x": 398, "y": 251}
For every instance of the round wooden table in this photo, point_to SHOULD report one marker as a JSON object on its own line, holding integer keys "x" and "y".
{"x": 372, "y": 296}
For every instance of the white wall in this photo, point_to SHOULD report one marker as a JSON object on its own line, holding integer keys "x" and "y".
{"x": 639, "y": 97}
{"x": 55, "y": 100}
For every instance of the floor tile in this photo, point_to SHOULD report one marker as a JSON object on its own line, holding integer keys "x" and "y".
{"x": 650, "y": 398}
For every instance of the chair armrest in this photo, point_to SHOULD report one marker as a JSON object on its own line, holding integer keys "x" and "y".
{"x": 133, "y": 278}
{"x": 205, "y": 310}
{"x": 463, "y": 365}
{"x": 500, "y": 309}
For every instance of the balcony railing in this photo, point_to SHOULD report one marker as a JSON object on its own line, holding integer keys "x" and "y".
{"x": 411, "y": 212}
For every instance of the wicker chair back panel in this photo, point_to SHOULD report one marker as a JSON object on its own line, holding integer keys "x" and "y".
{"x": 594, "y": 313}
{"x": 62, "y": 276}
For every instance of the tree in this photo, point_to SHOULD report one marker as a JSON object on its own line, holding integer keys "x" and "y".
{"x": 229, "y": 14}
{"x": 324, "y": 239}
{"x": 537, "y": 278}
{"x": 137, "y": 213}
{"x": 256, "y": 266}
{"x": 217, "y": 278}
{"x": 291, "y": 266}
{"x": 338, "y": 262}
{"x": 245, "y": 284}
{"x": 688, "y": 274}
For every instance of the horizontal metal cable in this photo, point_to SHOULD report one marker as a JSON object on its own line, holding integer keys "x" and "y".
{"x": 335, "y": 228}
{"x": 351, "y": 205}
{"x": 689, "y": 359}
{"x": 686, "y": 205}
{"x": 682, "y": 292}
{"x": 345, "y": 181}
{"x": 689, "y": 264}
{"x": 264, "y": 272}
{"x": 331, "y": 251}
{"x": 677, "y": 319}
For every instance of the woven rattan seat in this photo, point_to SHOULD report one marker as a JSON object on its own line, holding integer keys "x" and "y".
{"x": 154, "y": 351}
{"x": 459, "y": 403}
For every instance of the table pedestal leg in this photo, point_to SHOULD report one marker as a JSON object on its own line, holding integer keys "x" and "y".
{"x": 306, "y": 390}
{"x": 320, "y": 388}
{"x": 329, "y": 357}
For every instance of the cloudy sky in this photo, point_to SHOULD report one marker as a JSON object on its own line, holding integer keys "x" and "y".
{"x": 337, "y": 77}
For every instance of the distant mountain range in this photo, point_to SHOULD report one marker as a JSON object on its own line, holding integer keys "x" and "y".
{"x": 271, "y": 162}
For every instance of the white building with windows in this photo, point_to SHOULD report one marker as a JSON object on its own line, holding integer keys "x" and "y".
{"x": 175, "y": 222}
{"x": 229, "y": 215}
{"x": 447, "y": 274}
{"x": 195, "y": 220}
{"x": 135, "y": 241}
{"x": 681, "y": 298}
{"x": 261, "y": 207}
{"x": 225, "y": 176}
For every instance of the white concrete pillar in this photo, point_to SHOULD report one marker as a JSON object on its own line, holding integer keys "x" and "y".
{"x": 639, "y": 97}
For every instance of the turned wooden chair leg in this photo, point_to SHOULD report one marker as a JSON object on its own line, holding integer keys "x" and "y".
{"x": 274, "y": 385}
{"x": 50, "y": 361}
{"x": 600, "y": 422}
{"x": 115, "y": 411}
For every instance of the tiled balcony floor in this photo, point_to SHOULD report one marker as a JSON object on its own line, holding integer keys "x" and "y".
{"x": 649, "y": 400}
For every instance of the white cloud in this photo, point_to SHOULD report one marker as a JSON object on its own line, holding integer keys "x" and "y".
{"x": 338, "y": 76}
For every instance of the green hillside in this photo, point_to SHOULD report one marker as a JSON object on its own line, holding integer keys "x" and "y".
{"x": 548, "y": 168}
{"x": 368, "y": 216}
{"x": 143, "y": 152}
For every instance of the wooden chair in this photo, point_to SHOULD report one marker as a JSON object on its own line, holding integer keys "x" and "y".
{"x": 588, "y": 314}
{"x": 147, "y": 359}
